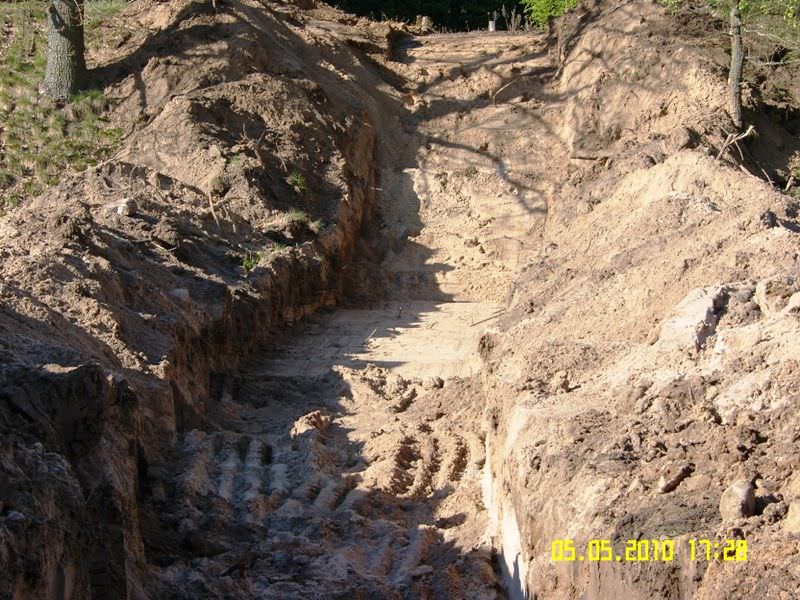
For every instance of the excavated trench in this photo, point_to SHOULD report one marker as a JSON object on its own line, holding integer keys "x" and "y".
{"x": 193, "y": 444}
{"x": 191, "y": 407}
{"x": 350, "y": 458}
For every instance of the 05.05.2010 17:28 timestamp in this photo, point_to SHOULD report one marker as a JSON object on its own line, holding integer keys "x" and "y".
{"x": 566, "y": 550}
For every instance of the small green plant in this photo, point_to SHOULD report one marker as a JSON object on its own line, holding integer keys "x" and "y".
{"x": 672, "y": 5}
{"x": 317, "y": 226}
{"x": 250, "y": 261}
{"x": 297, "y": 181}
{"x": 298, "y": 216}
{"x": 234, "y": 161}
{"x": 278, "y": 246}
{"x": 219, "y": 186}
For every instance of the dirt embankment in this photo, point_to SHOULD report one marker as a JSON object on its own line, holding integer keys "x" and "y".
{"x": 649, "y": 359}
{"x": 235, "y": 201}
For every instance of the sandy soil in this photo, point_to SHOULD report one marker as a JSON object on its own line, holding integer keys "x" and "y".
{"x": 368, "y": 420}
{"x": 520, "y": 296}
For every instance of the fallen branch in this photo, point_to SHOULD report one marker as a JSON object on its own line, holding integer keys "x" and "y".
{"x": 733, "y": 138}
{"x": 509, "y": 84}
{"x": 781, "y": 63}
{"x": 588, "y": 157}
{"x": 213, "y": 212}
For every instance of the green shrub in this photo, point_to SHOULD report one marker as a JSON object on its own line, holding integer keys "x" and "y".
{"x": 539, "y": 11}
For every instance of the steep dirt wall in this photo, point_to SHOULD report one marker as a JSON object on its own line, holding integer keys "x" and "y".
{"x": 107, "y": 418}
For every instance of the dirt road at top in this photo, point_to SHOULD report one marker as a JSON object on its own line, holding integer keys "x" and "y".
{"x": 351, "y": 461}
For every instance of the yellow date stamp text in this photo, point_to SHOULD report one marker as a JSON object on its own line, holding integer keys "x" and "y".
{"x": 597, "y": 550}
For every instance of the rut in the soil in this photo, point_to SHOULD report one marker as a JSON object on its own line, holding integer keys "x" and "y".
{"x": 350, "y": 458}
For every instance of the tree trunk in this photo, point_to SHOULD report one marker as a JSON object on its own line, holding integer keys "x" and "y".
{"x": 737, "y": 59}
{"x": 66, "y": 64}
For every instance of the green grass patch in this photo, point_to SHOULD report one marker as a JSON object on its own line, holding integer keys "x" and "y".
{"x": 101, "y": 11}
{"x": 99, "y": 15}
{"x": 278, "y": 246}
{"x": 250, "y": 261}
{"x": 42, "y": 141}
{"x": 298, "y": 216}
{"x": 754, "y": 12}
